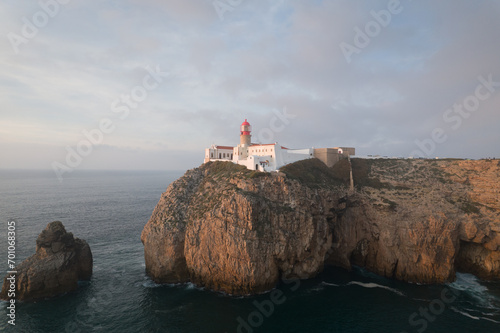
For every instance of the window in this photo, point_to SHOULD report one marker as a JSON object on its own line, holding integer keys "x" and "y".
{"x": 220, "y": 155}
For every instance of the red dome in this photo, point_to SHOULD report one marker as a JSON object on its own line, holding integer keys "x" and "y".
{"x": 245, "y": 128}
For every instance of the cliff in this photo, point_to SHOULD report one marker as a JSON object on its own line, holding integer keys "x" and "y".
{"x": 59, "y": 262}
{"x": 239, "y": 231}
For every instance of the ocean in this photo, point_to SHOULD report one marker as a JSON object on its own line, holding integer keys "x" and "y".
{"x": 109, "y": 209}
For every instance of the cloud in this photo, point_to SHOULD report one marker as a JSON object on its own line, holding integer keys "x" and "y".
{"x": 264, "y": 56}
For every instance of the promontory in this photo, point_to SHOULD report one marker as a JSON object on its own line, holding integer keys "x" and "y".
{"x": 230, "y": 229}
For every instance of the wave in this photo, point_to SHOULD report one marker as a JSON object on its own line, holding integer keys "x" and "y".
{"x": 315, "y": 289}
{"x": 468, "y": 282}
{"x": 485, "y": 314}
{"x": 471, "y": 286}
{"x": 330, "y": 284}
{"x": 192, "y": 286}
{"x": 148, "y": 283}
{"x": 473, "y": 317}
{"x": 375, "y": 285}
{"x": 423, "y": 300}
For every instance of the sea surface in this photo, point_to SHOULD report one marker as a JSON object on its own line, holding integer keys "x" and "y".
{"x": 109, "y": 210}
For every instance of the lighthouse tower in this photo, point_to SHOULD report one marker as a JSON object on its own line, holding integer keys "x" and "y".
{"x": 245, "y": 136}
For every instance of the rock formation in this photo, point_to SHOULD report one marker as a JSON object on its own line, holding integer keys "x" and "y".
{"x": 230, "y": 229}
{"x": 59, "y": 263}
{"x": 421, "y": 221}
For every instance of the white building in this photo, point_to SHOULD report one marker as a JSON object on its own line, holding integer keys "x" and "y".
{"x": 267, "y": 157}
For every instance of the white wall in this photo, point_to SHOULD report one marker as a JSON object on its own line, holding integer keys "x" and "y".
{"x": 287, "y": 156}
{"x": 274, "y": 154}
{"x": 216, "y": 152}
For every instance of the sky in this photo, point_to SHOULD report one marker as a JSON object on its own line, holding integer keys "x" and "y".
{"x": 149, "y": 84}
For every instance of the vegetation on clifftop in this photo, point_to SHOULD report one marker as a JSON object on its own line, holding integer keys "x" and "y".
{"x": 313, "y": 173}
{"x": 387, "y": 182}
{"x": 227, "y": 169}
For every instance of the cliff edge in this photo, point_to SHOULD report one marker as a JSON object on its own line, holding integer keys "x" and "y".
{"x": 239, "y": 231}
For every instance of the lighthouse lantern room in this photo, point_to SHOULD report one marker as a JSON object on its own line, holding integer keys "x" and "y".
{"x": 245, "y": 136}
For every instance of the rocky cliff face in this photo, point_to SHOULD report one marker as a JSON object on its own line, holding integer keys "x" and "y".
{"x": 59, "y": 262}
{"x": 229, "y": 229}
{"x": 238, "y": 231}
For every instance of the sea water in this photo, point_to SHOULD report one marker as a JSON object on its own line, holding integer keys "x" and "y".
{"x": 109, "y": 210}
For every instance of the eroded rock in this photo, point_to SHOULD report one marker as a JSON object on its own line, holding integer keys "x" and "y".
{"x": 59, "y": 263}
{"x": 237, "y": 231}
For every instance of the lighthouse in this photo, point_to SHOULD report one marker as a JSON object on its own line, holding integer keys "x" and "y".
{"x": 270, "y": 156}
{"x": 245, "y": 136}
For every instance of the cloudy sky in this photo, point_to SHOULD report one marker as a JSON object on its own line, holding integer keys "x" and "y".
{"x": 418, "y": 77}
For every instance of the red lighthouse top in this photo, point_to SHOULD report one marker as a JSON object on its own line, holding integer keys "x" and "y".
{"x": 245, "y": 128}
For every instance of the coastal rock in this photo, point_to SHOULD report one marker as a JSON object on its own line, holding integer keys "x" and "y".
{"x": 230, "y": 229}
{"x": 421, "y": 221}
{"x": 59, "y": 263}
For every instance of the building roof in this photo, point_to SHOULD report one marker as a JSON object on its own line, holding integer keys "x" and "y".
{"x": 265, "y": 144}
{"x": 224, "y": 147}
{"x": 262, "y": 144}
{"x": 251, "y": 145}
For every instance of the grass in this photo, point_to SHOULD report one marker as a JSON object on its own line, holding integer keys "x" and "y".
{"x": 392, "y": 204}
{"x": 219, "y": 168}
{"x": 256, "y": 174}
{"x": 313, "y": 173}
{"x": 361, "y": 169}
{"x": 341, "y": 171}
{"x": 226, "y": 169}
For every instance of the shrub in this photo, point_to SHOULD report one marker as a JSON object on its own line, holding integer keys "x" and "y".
{"x": 313, "y": 173}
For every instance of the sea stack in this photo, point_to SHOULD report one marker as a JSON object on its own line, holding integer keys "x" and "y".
{"x": 59, "y": 263}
